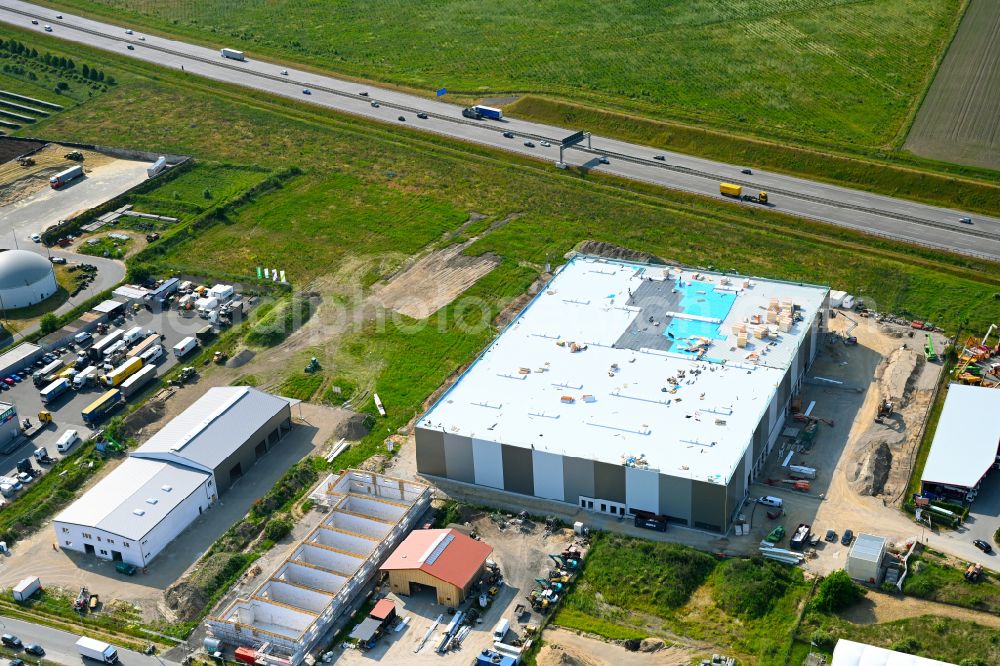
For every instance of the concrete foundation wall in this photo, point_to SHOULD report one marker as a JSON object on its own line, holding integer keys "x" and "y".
{"x": 314, "y": 578}
{"x": 351, "y": 523}
{"x": 298, "y": 597}
{"x": 383, "y": 510}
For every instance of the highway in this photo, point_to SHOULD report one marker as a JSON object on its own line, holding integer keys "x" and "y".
{"x": 60, "y": 646}
{"x": 871, "y": 213}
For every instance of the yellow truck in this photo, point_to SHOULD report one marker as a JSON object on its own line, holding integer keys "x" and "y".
{"x": 122, "y": 372}
{"x": 730, "y": 190}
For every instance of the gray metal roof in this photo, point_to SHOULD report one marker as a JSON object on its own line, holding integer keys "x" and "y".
{"x": 210, "y": 430}
{"x": 112, "y": 504}
{"x": 20, "y": 267}
{"x": 868, "y": 547}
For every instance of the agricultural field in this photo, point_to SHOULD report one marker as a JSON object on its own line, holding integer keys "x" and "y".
{"x": 832, "y": 71}
{"x": 958, "y": 120}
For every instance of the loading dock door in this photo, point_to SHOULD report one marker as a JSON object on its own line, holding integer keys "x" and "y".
{"x": 235, "y": 473}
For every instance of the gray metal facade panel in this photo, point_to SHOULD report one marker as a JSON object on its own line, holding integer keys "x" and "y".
{"x": 760, "y": 437}
{"x": 245, "y": 454}
{"x": 675, "y": 497}
{"x": 458, "y": 458}
{"x": 736, "y": 488}
{"x": 578, "y": 478}
{"x": 518, "y": 474}
{"x": 785, "y": 388}
{"x": 430, "y": 452}
{"x": 609, "y": 482}
{"x": 708, "y": 505}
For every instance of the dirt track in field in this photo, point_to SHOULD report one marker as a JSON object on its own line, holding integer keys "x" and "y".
{"x": 958, "y": 121}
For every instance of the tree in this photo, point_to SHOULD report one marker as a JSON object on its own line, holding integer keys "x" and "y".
{"x": 277, "y": 527}
{"x": 837, "y": 592}
{"x": 110, "y": 80}
{"x": 70, "y": 64}
{"x": 86, "y": 72}
{"x": 49, "y": 323}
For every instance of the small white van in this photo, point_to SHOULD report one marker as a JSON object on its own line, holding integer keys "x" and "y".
{"x": 66, "y": 442}
{"x": 768, "y": 500}
{"x": 500, "y": 632}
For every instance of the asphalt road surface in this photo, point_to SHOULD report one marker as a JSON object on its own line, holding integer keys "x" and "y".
{"x": 60, "y": 646}
{"x": 871, "y": 213}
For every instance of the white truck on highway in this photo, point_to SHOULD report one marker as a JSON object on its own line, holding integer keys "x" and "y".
{"x": 232, "y": 54}
{"x": 97, "y": 650}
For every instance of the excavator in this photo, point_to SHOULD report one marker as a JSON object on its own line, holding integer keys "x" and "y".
{"x": 885, "y": 409}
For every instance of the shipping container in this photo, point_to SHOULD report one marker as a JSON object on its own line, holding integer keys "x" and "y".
{"x": 140, "y": 379}
{"x": 27, "y": 587}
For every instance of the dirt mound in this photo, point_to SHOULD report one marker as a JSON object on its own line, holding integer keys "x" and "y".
{"x": 241, "y": 359}
{"x": 651, "y": 645}
{"x": 555, "y": 655}
{"x": 353, "y": 428}
{"x": 897, "y": 374}
{"x": 874, "y": 470}
{"x": 374, "y": 464}
{"x": 185, "y": 598}
{"x": 602, "y": 249}
{"x": 146, "y": 415}
{"x": 516, "y": 305}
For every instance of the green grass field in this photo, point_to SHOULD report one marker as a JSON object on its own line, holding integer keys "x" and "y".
{"x": 838, "y": 71}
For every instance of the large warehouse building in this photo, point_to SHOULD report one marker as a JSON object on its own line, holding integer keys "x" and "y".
{"x": 26, "y": 278}
{"x": 165, "y": 484}
{"x": 966, "y": 443}
{"x": 627, "y": 387}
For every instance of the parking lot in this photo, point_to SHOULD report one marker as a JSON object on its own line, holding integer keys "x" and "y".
{"x": 66, "y": 408}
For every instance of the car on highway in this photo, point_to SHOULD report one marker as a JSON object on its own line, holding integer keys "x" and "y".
{"x": 11, "y": 641}
{"x": 983, "y": 546}
{"x": 306, "y": 91}
{"x": 660, "y": 158}
{"x": 35, "y": 649}
{"x": 422, "y": 115}
{"x": 283, "y": 72}
{"x": 529, "y": 144}
{"x": 402, "y": 119}
{"x": 544, "y": 144}
{"x": 130, "y": 47}
{"x": 375, "y": 105}
{"x": 508, "y": 135}
{"x": 363, "y": 93}
{"x": 59, "y": 16}
{"x": 141, "y": 38}
{"x": 965, "y": 220}
{"x": 36, "y": 238}
{"x": 746, "y": 171}
{"x": 34, "y": 22}
{"x": 603, "y": 160}
{"x": 847, "y": 538}
{"x": 48, "y": 28}
{"x": 831, "y": 536}
{"x": 128, "y": 31}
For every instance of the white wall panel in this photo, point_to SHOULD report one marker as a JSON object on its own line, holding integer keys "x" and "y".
{"x": 642, "y": 489}
{"x": 488, "y": 463}
{"x": 547, "y": 469}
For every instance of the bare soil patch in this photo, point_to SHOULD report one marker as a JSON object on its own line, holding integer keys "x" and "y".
{"x": 958, "y": 120}
{"x": 566, "y": 648}
{"x": 878, "y": 608}
{"x": 17, "y": 182}
{"x": 434, "y": 281}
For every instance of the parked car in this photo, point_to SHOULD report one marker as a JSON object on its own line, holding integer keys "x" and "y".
{"x": 36, "y": 238}
{"x": 847, "y": 538}
{"x": 9, "y": 381}
{"x": 831, "y": 536}
{"x": 11, "y": 641}
{"x": 58, "y": 260}
{"x": 24, "y": 477}
{"x": 983, "y": 546}
{"x": 35, "y": 649}
{"x": 15, "y": 662}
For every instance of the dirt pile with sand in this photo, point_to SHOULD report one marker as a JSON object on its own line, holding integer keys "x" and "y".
{"x": 611, "y": 251}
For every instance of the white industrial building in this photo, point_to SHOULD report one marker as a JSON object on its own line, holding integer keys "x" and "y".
{"x": 864, "y": 561}
{"x": 626, "y": 387}
{"x": 850, "y": 653}
{"x": 966, "y": 443}
{"x": 291, "y": 611}
{"x": 26, "y": 278}
{"x": 164, "y": 485}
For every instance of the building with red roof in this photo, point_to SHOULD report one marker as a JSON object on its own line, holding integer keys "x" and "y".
{"x": 446, "y": 560}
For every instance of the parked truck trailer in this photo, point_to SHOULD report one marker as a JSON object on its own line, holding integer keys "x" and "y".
{"x": 92, "y": 648}
{"x": 137, "y": 381}
{"x": 65, "y": 176}
{"x": 122, "y": 372}
{"x": 54, "y": 390}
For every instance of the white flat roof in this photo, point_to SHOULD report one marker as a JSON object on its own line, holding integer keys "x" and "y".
{"x": 849, "y": 653}
{"x": 868, "y": 547}
{"x": 634, "y": 387}
{"x": 112, "y": 503}
{"x": 968, "y": 433}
